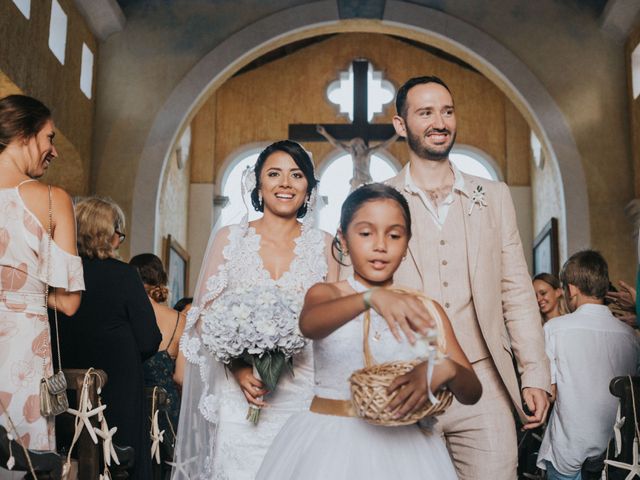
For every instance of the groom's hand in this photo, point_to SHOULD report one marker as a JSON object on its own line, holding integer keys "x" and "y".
{"x": 537, "y": 401}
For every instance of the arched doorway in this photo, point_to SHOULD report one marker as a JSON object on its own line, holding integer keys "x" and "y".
{"x": 402, "y": 19}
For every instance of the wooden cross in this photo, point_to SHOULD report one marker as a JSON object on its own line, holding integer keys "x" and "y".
{"x": 304, "y": 132}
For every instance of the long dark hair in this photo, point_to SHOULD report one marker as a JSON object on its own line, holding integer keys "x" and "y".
{"x": 356, "y": 199}
{"x": 302, "y": 160}
{"x": 21, "y": 117}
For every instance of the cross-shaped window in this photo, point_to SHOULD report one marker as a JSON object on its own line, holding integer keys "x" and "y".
{"x": 379, "y": 92}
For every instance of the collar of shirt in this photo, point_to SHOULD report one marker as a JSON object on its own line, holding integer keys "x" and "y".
{"x": 458, "y": 181}
{"x": 438, "y": 213}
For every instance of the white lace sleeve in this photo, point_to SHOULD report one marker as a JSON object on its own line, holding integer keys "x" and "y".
{"x": 203, "y": 375}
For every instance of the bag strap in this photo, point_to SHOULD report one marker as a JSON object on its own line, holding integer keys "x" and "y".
{"x": 47, "y": 286}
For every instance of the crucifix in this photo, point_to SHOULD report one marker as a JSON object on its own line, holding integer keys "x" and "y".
{"x": 353, "y": 138}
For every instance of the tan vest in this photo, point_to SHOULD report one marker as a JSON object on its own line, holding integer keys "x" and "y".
{"x": 446, "y": 276}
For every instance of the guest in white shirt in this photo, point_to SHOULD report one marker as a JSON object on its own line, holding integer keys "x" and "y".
{"x": 587, "y": 349}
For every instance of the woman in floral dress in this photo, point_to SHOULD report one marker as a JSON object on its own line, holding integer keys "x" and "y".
{"x": 28, "y": 263}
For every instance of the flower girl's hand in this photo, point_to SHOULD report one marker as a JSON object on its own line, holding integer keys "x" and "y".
{"x": 252, "y": 387}
{"x": 412, "y": 386}
{"x": 402, "y": 311}
{"x": 411, "y": 391}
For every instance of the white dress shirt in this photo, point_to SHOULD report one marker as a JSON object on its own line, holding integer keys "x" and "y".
{"x": 438, "y": 213}
{"x": 586, "y": 350}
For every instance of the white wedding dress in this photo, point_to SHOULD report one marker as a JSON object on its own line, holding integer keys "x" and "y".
{"x": 313, "y": 446}
{"x": 215, "y": 440}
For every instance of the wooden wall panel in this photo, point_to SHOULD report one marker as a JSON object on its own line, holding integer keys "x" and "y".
{"x": 259, "y": 105}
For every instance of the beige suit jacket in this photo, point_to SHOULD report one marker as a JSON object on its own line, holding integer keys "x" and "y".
{"x": 503, "y": 296}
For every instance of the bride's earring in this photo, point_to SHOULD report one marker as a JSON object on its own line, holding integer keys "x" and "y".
{"x": 260, "y": 201}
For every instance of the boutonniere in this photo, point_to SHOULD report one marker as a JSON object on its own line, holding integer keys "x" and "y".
{"x": 477, "y": 198}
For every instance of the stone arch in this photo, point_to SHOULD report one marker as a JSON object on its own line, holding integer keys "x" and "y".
{"x": 420, "y": 23}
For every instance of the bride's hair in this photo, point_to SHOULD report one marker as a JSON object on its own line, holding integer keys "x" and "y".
{"x": 302, "y": 160}
{"x": 356, "y": 199}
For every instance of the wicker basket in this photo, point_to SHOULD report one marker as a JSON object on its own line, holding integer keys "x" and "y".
{"x": 369, "y": 384}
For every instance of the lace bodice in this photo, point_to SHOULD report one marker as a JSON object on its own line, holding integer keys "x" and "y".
{"x": 243, "y": 266}
{"x": 337, "y": 356}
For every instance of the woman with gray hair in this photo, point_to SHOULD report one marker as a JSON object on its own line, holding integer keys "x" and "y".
{"x": 115, "y": 328}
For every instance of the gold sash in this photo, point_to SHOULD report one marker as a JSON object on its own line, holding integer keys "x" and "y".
{"x": 329, "y": 406}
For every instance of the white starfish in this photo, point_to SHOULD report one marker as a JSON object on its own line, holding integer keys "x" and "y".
{"x": 84, "y": 413}
{"x": 616, "y": 431}
{"x": 106, "y": 435}
{"x": 634, "y": 469}
{"x": 106, "y": 475}
{"x": 181, "y": 467}
{"x": 157, "y": 436}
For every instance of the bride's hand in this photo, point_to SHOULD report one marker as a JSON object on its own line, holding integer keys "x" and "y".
{"x": 402, "y": 311}
{"x": 252, "y": 387}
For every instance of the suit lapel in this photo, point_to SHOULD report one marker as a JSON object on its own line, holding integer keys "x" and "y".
{"x": 415, "y": 206}
{"x": 472, "y": 226}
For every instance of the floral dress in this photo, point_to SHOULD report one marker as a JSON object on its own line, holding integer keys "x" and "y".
{"x": 25, "y": 349}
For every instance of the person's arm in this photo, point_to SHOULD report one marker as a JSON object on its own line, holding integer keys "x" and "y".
{"x": 211, "y": 281}
{"x": 141, "y": 316}
{"x": 623, "y": 304}
{"x": 383, "y": 145}
{"x": 178, "y": 372}
{"x": 522, "y": 316}
{"x": 454, "y": 372}
{"x": 325, "y": 310}
{"x": 64, "y": 234}
{"x": 336, "y": 143}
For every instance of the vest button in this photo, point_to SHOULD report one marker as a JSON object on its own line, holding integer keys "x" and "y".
{"x": 442, "y": 242}
{"x": 446, "y": 305}
{"x": 444, "y": 262}
{"x": 446, "y": 284}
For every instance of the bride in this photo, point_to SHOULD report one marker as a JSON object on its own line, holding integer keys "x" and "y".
{"x": 215, "y": 439}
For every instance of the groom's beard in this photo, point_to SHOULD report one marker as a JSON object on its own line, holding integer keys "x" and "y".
{"x": 418, "y": 145}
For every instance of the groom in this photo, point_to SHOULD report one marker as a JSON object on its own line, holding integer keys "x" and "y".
{"x": 466, "y": 253}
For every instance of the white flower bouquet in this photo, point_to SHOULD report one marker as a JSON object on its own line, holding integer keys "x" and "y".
{"x": 258, "y": 325}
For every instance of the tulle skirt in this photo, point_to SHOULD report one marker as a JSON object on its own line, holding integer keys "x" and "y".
{"x": 312, "y": 446}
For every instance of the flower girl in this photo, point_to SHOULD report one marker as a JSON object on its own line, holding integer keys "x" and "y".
{"x": 329, "y": 441}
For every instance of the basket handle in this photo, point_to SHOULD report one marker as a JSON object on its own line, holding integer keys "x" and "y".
{"x": 366, "y": 348}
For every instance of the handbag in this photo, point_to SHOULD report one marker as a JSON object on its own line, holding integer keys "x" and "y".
{"x": 53, "y": 389}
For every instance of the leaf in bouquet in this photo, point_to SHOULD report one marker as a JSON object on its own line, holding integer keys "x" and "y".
{"x": 270, "y": 367}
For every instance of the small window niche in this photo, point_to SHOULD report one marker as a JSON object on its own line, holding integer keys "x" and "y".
{"x": 24, "y": 6}
{"x": 635, "y": 71}
{"x": 58, "y": 31}
{"x": 86, "y": 71}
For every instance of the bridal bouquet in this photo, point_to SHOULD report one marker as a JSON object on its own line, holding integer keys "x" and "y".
{"x": 258, "y": 325}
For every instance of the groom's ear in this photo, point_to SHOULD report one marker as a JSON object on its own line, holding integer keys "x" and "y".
{"x": 399, "y": 125}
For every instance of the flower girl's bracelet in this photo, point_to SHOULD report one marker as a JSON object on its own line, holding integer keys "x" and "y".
{"x": 366, "y": 298}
